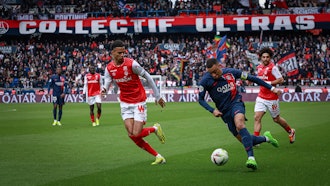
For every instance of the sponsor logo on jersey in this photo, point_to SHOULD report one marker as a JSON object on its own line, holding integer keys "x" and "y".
{"x": 225, "y": 88}
{"x": 124, "y": 79}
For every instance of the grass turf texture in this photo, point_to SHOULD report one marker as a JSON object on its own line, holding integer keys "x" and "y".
{"x": 33, "y": 152}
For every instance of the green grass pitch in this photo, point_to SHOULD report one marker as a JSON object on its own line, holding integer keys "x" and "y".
{"x": 33, "y": 152}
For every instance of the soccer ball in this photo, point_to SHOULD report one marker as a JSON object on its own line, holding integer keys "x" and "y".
{"x": 219, "y": 156}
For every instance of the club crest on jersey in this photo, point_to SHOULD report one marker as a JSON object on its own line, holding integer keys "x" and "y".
{"x": 228, "y": 78}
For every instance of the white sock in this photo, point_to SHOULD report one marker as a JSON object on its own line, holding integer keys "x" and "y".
{"x": 251, "y": 158}
{"x": 267, "y": 139}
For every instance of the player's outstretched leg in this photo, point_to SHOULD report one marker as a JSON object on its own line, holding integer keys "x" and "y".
{"x": 159, "y": 160}
{"x": 292, "y": 135}
{"x": 271, "y": 139}
{"x": 159, "y": 132}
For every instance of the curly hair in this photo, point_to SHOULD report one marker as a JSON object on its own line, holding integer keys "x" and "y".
{"x": 266, "y": 50}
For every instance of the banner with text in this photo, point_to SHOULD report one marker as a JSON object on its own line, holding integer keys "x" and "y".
{"x": 179, "y": 24}
{"x": 170, "y": 97}
{"x": 289, "y": 63}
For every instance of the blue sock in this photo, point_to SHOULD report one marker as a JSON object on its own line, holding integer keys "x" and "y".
{"x": 247, "y": 141}
{"x": 54, "y": 113}
{"x": 59, "y": 115}
{"x": 258, "y": 139}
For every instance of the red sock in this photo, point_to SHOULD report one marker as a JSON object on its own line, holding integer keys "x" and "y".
{"x": 98, "y": 115}
{"x": 92, "y": 118}
{"x": 144, "y": 145}
{"x": 146, "y": 131}
{"x": 288, "y": 129}
{"x": 256, "y": 133}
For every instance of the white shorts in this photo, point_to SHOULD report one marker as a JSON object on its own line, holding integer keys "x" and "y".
{"x": 263, "y": 105}
{"x": 94, "y": 99}
{"x": 137, "y": 111}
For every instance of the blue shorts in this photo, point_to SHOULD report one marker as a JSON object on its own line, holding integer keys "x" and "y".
{"x": 228, "y": 117}
{"x": 58, "y": 100}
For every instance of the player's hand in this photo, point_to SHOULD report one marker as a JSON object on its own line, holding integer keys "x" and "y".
{"x": 277, "y": 91}
{"x": 217, "y": 113}
{"x": 104, "y": 92}
{"x": 62, "y": 95}
{"x": 161, "y": 102}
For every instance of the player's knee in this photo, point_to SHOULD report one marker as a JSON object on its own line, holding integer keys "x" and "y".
{"x": 276, "y": 119}
{"x": 240, "y": 126}
{"x": 257, "y": 118}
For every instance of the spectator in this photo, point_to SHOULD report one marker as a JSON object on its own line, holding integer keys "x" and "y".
{"x": 298, "y": 88}
{"x": 324, "y": 90}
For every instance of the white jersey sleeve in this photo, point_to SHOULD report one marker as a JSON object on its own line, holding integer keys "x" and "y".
{"x": 107, "y": 80}
{"x": 137, "y": 69}
{"x": 85, "y": 85}
{"x": 276, "y": 72}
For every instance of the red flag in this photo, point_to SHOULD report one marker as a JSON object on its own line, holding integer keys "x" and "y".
{"x": 281, "y": 4}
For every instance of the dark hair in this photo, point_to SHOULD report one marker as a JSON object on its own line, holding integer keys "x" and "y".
{"x": 117, "y": 43}
{"x": 266, "y": 50}
{"x": 210, "y": 62}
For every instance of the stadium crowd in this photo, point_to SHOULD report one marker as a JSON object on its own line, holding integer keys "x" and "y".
{"x": 45, "y": 9}
{"x": 37, "y": 56}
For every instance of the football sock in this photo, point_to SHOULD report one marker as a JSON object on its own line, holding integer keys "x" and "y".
{"x": 92, "y": 118}
{"x": 143, "y": 145}
{"x": 98, "y": 114}
{"x": 146, "y": 131}
{"x": 247, "y": 141}
{"x": 54, "y": 113}
{"x": 60, "y": 115}
{"x": 256, "y": 133}
{"x": 288, "y": 129}
{"x": 258, "y": 139}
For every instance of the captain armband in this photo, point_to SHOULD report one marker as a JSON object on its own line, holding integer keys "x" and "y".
{"x": 244, "y": 75}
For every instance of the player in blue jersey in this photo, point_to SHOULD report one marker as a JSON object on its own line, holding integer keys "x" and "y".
{"x": 221, "y": 86}
{"x": 58, "y": 83}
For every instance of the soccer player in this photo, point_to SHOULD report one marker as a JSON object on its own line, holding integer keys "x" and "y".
{"x": 125, "y": 73}
{"x": 268, "y": 100}
{"x": 220, "y": 85}
{"x": 58, "y": 83}
{"x": 92, "y": 86}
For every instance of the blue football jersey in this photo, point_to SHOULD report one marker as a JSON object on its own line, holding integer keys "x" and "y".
{"x": 223, "y": 91}
{"x": 58, "y": 84}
